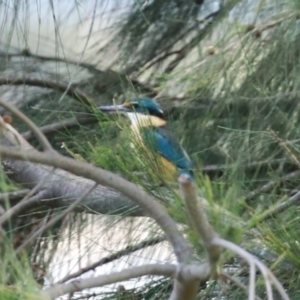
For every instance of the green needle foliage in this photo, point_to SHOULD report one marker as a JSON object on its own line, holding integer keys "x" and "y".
{"x": 228, "y": 75}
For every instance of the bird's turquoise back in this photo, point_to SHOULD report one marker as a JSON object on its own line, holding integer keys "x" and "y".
{"x": 147, "y": 105}
{"x": 160, "y": 140}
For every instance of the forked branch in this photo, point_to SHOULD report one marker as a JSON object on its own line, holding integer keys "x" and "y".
{"x": 188, "y": 273}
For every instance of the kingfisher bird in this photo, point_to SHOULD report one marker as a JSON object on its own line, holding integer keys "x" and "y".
{"x": 149, "y": 127}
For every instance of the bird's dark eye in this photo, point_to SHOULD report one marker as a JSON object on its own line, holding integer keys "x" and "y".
{"x": 135, "y": 105}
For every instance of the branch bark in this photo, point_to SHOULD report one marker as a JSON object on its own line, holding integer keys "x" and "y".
{"x": 54, "y": 127}
{"x": 199, "y": 219}
{"x": 199, "y": 272}
{"x": 82, "y": 284}
{"x": 184, "y": 286}
{"x": 73, "y": 92}
{"x": 187, "y": 274}
{"x": 61, "y": 188}
{"x": 132, "y": 191}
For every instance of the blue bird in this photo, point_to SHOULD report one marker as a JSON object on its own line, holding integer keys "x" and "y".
{"x": 149, "y": 127}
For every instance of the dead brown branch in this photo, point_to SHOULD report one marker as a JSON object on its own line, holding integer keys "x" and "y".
{"x": 61, "y": 188}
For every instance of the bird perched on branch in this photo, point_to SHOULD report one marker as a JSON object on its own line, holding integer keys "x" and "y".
{"x": 150, "y": 131}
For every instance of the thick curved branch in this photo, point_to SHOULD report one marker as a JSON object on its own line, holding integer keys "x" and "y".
{"x": 132, "y": 191}
{"x": 73, "y": 92}
{"x": 91, "y": 67}
{"x": 254, "y": 263}
{"x": 54, "y": 220}
{"x": 98, "y": 281}
{"x": 64, "y": 124}
{"x": 23, "y": 205}
{"x": 61, "y": 188}
{"x": 149, "y": 204}
{"x": 183, "y": 285}
{"x": 186, "y": 276}
{"x": 40, "y": 137}
{"x": 197, "y": 272}
{"x": 14, "y": 196}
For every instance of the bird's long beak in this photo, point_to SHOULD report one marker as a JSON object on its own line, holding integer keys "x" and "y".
{"x": 113, "y": 109}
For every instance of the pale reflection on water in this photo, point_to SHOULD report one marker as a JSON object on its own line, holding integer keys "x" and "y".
{"x": 101, "y": 238}
{"x": 78, "y": 38}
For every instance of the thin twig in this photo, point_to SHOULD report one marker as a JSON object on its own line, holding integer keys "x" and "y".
{"x": 251, "y": 290}
{"x": 13, "y": 196}
{"x": 238, "y": 283}
{"x": 166, "y": 51}
{"x": 282, "y": 96}
{"x": 281, "y": 207}
{"x": 54, "y": 127}
{"x": 252, "y": 165}
{"x": 22, "y": 206}
{"x": 54, "y": 220}
{"x": 283, "y": 145}
{"x": 268, "y": 186}
{"x": 73, "y": 92}
{"x": 134, "y": 192}
{"x": 98, "y": 281}
{"x": 91, "y": 67}
{"x": 126, "y": 251}
{"x": 266, "y": 273}
{"x": 40, "y": 137}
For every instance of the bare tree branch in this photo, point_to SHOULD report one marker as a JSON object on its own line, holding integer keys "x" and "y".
{"x": 54, "y": 220}
{"x": 64, "y": 124}
{"x": 252, "y": 260}
{"x": 271, "y": 184}
{"x": 106, "y": 178}
{"x": 23, "y": 205}
{"x": 274, "y": 211}
{"x": 183, "y": 286}
{"x": 92, "y": 68}
{"x": 134, "y": 192}
{"x": 198, "y": 272}
{"x": 98, "y": 281}
{"x": 73, "y": 92}
{"x": 126, "y": 251}
{"x": 62, "y": 188}
{"x": 185, "y": 50}
{"x": 238, "y": 283}
{"x": 187, "y": 275}
{"x": 40, "y": 137}
{"x": 12, "y": 196}
{"x": 198, "y": 218}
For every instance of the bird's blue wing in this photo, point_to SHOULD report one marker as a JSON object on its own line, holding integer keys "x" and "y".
{"x": 160, "y": 140}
